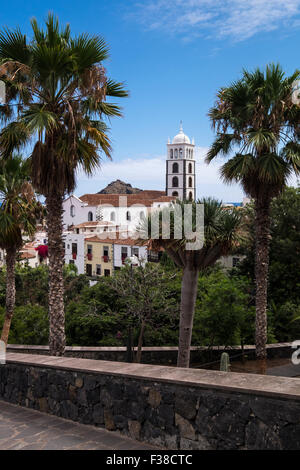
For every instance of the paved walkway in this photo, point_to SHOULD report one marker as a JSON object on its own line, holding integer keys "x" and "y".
{"x": 26, "y": 429}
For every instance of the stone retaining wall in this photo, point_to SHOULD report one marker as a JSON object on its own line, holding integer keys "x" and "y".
{"x": 158, "y": 355}
{"x": 166, "y": 406}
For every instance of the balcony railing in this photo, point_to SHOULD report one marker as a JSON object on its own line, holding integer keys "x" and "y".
{"x": 105, "y": 258}
{"x": 89, "y": 256}
{"x": 74, "y": 255}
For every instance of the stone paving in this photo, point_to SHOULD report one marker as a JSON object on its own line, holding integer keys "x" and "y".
{"x": 25, "y": 429}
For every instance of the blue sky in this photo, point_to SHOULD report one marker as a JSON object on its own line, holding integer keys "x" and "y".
{"x": 173, "y": 55}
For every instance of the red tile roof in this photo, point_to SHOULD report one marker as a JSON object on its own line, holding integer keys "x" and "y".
{"x": 145, "y": 198}
{"x": 92, "y": 224}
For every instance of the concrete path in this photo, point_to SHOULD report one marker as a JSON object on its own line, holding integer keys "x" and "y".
{"x": 26, "y": 429}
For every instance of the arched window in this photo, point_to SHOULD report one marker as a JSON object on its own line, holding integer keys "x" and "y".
{"x": 112, "y": 216}
{"x": 176, "y": 153}
{"x": 175, "y": 193}
{"x": 190, "y": 196}
{"x": 192, "y": 152}
{"x": 190, "y": 168}
{"x": 128, "y": 216}
{"x": 72, "y": 211}
{"x": 190, "y": 182}
{"x": 180, "y": 153}
{"x": 175, "y": 167}
{"x": 175, "y": 182}
{"x": 90, "y": 217}
{"x": 171, "y": 153}
{"x": 187, "y": 153}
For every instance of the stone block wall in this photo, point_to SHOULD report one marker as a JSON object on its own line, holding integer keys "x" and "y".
{"x": 172, "y": 408}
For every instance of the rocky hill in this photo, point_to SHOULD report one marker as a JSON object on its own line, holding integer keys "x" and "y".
{"x": 119, "y": 187}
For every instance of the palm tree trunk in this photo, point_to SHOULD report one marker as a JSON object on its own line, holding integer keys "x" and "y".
{"x": 140, "y": 342}
{"x": 10, "y": 292}
{"x": 57, "y": 339}
{"x": 262, "y": 228}
{"x": 189, "y": 287}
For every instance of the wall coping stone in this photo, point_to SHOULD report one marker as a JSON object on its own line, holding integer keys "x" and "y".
{"x": 273, "y": 386}
{"x": 145, "y": 348}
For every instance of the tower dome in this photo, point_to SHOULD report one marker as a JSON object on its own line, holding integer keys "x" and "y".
{"x": 181, "y": 138}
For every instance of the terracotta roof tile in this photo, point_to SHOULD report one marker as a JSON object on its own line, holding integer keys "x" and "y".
{"x": 92, "y": 224}
{"x": 145, "y": 198}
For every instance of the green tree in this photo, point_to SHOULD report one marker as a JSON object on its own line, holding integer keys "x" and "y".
{"x": 146, "y": 296}
{"x": 60, "y": 87}
{"x": 30, "y": 325}
{"x": 224, "y": 314}
{"x": 18, "y": 213}
{"x": 220, "y": 235}
{"x": 256, "y": 119}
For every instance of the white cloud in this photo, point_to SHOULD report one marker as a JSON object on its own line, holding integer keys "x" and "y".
{"x": 150, "y": 173}
{"x": 237, "y": 19}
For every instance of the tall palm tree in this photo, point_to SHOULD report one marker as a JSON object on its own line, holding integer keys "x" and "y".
{"x": 18, "y": 214}
{"x": 60, "y": 87}
{"x": 221, "y": 233}
{"x": 256, "y": 123}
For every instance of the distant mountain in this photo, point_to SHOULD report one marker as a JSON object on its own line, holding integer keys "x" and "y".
{"x": 119, "y": 187}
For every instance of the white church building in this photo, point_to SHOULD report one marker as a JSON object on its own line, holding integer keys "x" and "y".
{"x": 121, "y": 213}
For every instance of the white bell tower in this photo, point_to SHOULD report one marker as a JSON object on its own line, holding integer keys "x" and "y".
{"x": 180, "y": 165}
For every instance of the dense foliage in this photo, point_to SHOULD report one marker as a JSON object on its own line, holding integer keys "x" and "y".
{"x": 224, "y": 313}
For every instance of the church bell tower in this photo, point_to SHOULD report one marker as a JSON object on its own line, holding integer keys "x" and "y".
{"x": 180, "y": 167}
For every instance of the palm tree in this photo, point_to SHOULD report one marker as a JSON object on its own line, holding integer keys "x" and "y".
{"x": 18, "y": 214}
{"x": 60, "y": 87}
{"x": 221, "y": 233}
{"x": 256, "y": 123}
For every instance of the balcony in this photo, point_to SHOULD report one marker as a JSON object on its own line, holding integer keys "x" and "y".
{"x": 74, "y": 255}
{"x": 106, "y": 258}
{"x": 89, "y": 256}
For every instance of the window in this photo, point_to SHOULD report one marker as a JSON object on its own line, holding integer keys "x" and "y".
{"x": 175, "y": 193}
{"x": 128, "y": 216}
{"x": 190, "y": 196}
{"x": 89, "y": 249}
{"x": 106, "y": 272}
{"x": 74, "y": 248}
{"x": 77, "y": 230}
{"x": 175, "y": 167}
{"x": 142, "y": 215}
{"x": 190, "y": 168}
{"x": 175, "y": 182}
{"x": 71, "y": 261}
{"x": 187, "y": 153}
{"x": 180, "y": 153}
{"x": 98, "y": 269}
{"x": 72, "y": 211}
{"x": 112, "y": 216}
{"x": 90, "y": 216}
{"x": 176, "y": 153}
{"x": 105, "y": 251}
{"x": 190, "y": 182}
{"x": 124, "y": 253}
{"x": 88, "y": 268}
{"x": 135, "y": 252}
{"x": 171, "y": 153}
